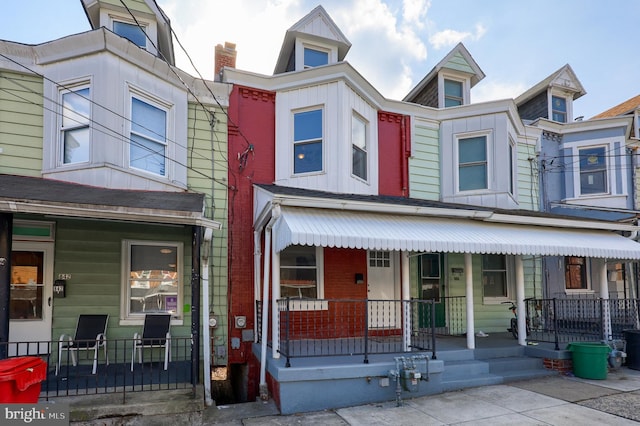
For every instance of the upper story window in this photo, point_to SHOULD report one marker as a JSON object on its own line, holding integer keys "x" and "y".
{"x": 315, "y": 57}
{"x": 453, "y": 93}
{"x": 307, "y": 141}
{"x": 472, "y": 163}
{"x": 494, "y": 276}
{"x": 593, "y": 170}
{"x": 575, "y": 273}
{"x": 512, "y": 172}
{"x": 74, "y": 129}
{"x": 131, "y": 32}
{"x": 359, "y": 147}
{"x": 148, "y": 139}
{"x": 152, "y": 283}
{"x": 559, "y": 109}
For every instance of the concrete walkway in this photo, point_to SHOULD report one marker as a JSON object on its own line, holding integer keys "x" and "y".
{"x": 554, "y": 400}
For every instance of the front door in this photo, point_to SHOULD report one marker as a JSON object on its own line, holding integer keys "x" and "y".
{"x": 383, "y": 290}
{"x": 30, "y": 307}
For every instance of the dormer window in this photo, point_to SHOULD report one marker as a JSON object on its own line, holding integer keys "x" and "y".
{"x": 315, "y": 57}
{"x": 131, "y": 32}
{"x": 453, "y": 93}
{"x": 559, "y": 109}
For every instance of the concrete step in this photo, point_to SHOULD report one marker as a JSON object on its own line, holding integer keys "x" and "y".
{"x": 470, "y": 382}
{"x": 491, "y": 353}
{"x": 464, "y": 369}
{"x": 505, "y": 365}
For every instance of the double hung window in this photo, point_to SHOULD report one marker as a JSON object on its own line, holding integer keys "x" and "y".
{"x": 359, "y": 147}
{"x": 494, "y": 276}
{"x": 559, "y": 109}
{"x": 472, "y": 163}
{"x": 575, "y": 273}
{"x": 148, "y": 139}
{"x": 307, "y": 141}
{"x": 453, "y": 93}
{"x": 593, "y": 170}
{"x": 74, "y": 131}
{"x": 299, "y": 272}
{"x": 131, "y": 32}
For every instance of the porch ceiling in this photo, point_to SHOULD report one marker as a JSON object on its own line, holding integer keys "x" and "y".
{"x": 375, "y": 231}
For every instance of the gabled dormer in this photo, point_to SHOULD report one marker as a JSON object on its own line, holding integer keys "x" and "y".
{"x": 313, "y": 41}
{"x": 142, "y": 22}
{"x": 552, "y": 98}
{"x": 630, "y": 107}
{"x": 449, "y": 83}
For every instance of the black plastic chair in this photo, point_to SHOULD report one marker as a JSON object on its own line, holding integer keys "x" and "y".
{"x": 90, "y": 335}
{"x": 156, "y": 333}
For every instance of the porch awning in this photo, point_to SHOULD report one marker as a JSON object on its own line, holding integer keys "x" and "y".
{"x": 374, "y": 231}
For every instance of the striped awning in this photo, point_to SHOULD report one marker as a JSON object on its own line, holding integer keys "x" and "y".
{"x": 376, "y": 231}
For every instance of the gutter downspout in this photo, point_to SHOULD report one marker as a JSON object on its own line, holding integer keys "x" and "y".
{"x": 275, "y": 215}
{"x": 206, "y": 337}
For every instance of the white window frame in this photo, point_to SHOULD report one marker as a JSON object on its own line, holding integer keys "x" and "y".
{"x": 513, "y": 166}
{"x": 568, "y": 100}
{"x": 312, "y": 304}
{"x": 168, "y": 148}
{"x": 509, "y": 276}
{"x": 129, "y": 318}
{"x": 466, "y": 90}
{"x": 636, "y": 124}
{"x": 357, "y": 118}
{"x": 302, "y": 44}
{"x": 587, "y": 272}
{"x": 322, "y": 140}
{"x": 62, "y": 91}
{"x": 607, "y": 171}
{"x": 488, "y": 135}
{"x": 147, "y": 27}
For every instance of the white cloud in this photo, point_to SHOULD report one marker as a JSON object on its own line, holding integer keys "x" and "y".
{"x": 493, "y": 90}
{"x": 449, "y": 38}
{"x": 415, "y": 11}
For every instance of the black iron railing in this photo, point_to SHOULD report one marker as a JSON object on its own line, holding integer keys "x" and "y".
{"x": 339, "y": 327}
{"x": 563, "y": 320}
{"x": 116, "y": 376}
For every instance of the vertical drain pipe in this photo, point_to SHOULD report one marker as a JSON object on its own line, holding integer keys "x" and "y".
{"x": 468, "y": 276}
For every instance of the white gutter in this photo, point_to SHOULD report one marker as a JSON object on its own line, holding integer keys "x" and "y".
{"x": 264, "y": 393}
{"x": 206, "y": 338}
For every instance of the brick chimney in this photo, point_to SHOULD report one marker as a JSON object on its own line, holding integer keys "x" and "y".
{"x": 225, "y": 57}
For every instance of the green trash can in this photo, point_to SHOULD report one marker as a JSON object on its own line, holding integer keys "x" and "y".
{"x": 589, "y": 359}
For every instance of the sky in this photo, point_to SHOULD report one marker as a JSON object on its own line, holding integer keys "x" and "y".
{"x": 395, "y": 43}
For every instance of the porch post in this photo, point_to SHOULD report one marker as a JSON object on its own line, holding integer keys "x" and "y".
{"x": 604, "y": 295}
{"x": 257, "y": 285}
{"x": 275, "y": 296}
{"x": 522, "y": 323}
{"x": 406, "y": 297}
{"x": 6, "y": 235}
{"x": 468, "y": 276}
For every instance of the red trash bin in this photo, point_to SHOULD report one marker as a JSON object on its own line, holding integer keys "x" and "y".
{"x": 21, "y": 378}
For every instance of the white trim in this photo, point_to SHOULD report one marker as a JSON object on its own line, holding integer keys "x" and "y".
{"x": 488, "y": 135}
{"x": 303, "y": 43}
{"x": 460, "y": 78}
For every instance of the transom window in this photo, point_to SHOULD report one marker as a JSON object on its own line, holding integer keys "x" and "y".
{"x": 131, "y": 32}
{"x": 359, "y": 147}
{"x": 315, "y": 58}
{"x": 593, "y": 170}
{"x": 307, "y": 141}
{"x": 575, "y": 273}
{"x": 452, "y": 93}
{"x": 153, "y": 277}
{"x": 559, "y": 109}
{"x": 148, "y": 140}
{"x": 74, "y": 131}
{"x": 299, "y": 272}
{"x": 472, "y": 163}
{"x": 494, "y": 276}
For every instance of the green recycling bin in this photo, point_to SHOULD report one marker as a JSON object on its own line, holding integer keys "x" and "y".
{"x": 589, "y": 359}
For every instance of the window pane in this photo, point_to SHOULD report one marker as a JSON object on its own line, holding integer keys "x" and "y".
{"x": 307, "y": 125}
{"x": 314, "y": 58}
{"x": 559, "y": 109}
{"x": 76, "y": 145}
{"x": 153, "y": 279}
{"x": 430, "y": 264}
{"x": 76, "y": 108}
{"x": 148, "y": 120}
{"x": 131, "y": 32}
{"x": 452, "y": 93}
{"x": 473, "y": 177}
{"x": 575, "y": 273}
{"x": 493, "y": 261}
{"x": 472, "y": 149}
{"x": 308, "y": 157}
{"x": 494, "y": 275}
{"x": 593, "y": 171}
{"x": 147, "y": 155}
{"x": 359, "y": 166}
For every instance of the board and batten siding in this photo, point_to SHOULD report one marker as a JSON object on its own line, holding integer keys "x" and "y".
{"x": 90, "y": 251}
{"x": 424, "y": 164}
{"x": 338, "y": 102}
{"x": 207, "y": 173}
{"x": 21, "y": 124}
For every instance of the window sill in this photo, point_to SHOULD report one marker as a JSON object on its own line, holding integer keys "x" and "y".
{"x": 306, "y": 305}
{"x": 140, "y": 321}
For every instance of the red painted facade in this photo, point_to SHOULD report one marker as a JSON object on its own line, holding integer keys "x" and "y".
{"x": 394, "y": 145}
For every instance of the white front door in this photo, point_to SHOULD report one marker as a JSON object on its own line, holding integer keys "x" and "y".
{"x": 30, "y": 307}
{"x": 383, "y": 289}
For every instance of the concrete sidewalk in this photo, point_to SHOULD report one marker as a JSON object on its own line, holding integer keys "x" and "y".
{"x": 552, "y": 400}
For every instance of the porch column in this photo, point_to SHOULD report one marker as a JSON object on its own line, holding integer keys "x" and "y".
{"x": 275, "y": 296}
{"x": 468, "y": 277}
{"x": 604, "y": 295}
{"x": 6, "y": 235}
{"x": 264, "y": 329}
{"x": 406, "y": 297}
{"x": 522, "y": 317}
{"x": 257, "y": 260}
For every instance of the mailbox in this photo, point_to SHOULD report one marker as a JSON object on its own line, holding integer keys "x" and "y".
{"x": 59, "y": 288}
